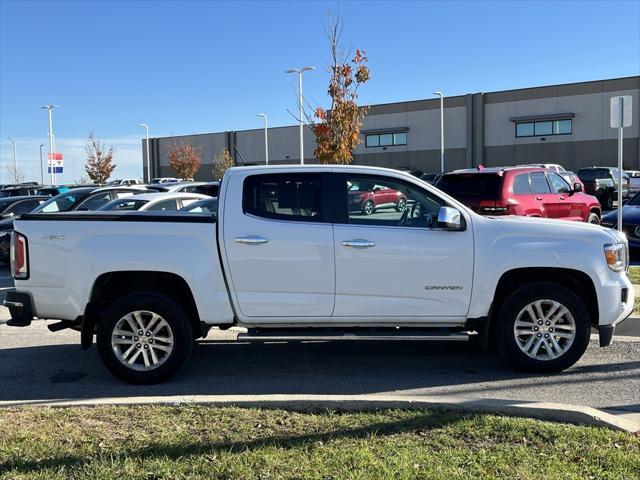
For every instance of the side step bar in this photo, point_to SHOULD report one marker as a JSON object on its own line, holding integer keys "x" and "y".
{"x": 370, "y": 336}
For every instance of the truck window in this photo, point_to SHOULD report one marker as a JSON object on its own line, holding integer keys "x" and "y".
{"x": 389, "y": 202}
{"x": 296, "y": 197}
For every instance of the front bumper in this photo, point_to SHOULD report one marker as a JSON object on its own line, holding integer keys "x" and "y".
{"x": 20, "y": 308}
{"x": 616, "y": 303}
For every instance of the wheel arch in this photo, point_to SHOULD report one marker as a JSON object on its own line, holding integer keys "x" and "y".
{"x": 113, "y": 285}
{"x": 577, "y": 281}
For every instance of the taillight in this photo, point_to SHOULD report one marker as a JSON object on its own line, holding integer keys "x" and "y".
{"x": 498, "y": 207}
{"x": 18, "y": 256}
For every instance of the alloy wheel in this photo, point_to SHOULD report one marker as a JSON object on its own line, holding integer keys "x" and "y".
{"x": 142, "y": 340}
{"x": 544, "y": 329}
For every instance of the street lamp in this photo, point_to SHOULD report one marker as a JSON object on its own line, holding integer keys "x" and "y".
{"x": 266, "y": 139}
{"x": 41, "y": 168}
{"x": 146, "y": 127}
{"x": 15, "y": 169}
{"x": 300, "y": 71}
{"x": 441, "y": 95}
{"x": 51, "y": 145}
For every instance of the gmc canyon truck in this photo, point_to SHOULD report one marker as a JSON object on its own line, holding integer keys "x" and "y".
{"x": 286, "y": 258}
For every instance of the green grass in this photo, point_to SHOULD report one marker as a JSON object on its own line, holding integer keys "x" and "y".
{"x": 149, "y": 442}
{"x": 634, "y": 275}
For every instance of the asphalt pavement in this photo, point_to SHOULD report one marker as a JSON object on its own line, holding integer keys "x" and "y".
{"x": 39, "y": 366}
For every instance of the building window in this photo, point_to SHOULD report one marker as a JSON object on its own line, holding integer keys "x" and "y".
{"x": 544, "y": 128}
{"x": 386, "y": 139}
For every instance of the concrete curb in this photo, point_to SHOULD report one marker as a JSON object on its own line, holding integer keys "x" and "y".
{"x": 555, "y": 412}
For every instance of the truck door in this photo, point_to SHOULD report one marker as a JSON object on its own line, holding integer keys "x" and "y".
{"x": 393, "y": 264}
{"x": 279, "y": 245}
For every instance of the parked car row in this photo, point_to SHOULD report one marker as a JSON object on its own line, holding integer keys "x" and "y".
{"x": 102, "y": 198}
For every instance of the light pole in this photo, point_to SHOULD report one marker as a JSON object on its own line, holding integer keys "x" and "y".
{"x": 51, "y": 145}
{"x": 41, "y": 168}
{"x": 441, "y": 130}
{"x": 146, "y": 127}
{"x": 266, "y": 138}
{"x": 300, "y": 71}
{"x": 15, "y": 169}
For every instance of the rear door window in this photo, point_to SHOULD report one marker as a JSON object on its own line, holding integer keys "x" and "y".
{"x": 95, "y": 201}
{"x": 521, "y": 185}
{"x": 170, "y": 205}
{"x": 539, "y": 183}
{"x": 291, "y": 196}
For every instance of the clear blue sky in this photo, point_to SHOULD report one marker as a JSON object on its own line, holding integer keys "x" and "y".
{"x": 186, "y": 67}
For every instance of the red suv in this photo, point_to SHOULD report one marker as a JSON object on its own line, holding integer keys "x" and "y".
{"x": 526, "y": 191}
{"x": 367, "y": 197}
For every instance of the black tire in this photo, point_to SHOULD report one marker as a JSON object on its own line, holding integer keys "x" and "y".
{"x": 401, "y": 204}
{"x": 368, "y": 207}
{"x": 593, "y": 218}
{"x": 508, "y": 344}
{"x": 608, "y": 202}
{"x": 166, "y": 308}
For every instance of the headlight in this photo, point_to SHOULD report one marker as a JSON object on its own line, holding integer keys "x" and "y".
{"x": 616, "y": 256}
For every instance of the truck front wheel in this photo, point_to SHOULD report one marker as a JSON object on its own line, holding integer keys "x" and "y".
{"x": 542, "y": 327}
{"x": 144, "y": 338}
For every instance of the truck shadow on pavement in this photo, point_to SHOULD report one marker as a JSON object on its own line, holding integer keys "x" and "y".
{"x": 64, "y": 371}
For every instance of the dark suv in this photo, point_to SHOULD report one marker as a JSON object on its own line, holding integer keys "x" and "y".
{"x": 602, "y": 182}
{"x": 525, "y": 191}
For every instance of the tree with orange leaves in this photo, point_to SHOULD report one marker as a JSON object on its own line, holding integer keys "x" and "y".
{"x": 337, "y": 130}
{"x": 184, "y": 159}
{"x": 99, "y": 165}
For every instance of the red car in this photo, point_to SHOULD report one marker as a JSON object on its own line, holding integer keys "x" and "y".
{"x": 367, "y": 197}
{"x": 525, "y": 191}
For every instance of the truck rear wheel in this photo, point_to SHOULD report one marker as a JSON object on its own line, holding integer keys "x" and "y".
{"x": 542, "y": 327}
{"x": 144, "y": 338}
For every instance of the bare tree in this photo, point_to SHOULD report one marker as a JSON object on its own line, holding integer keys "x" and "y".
{"x": 184, "y": 159}
{"x": 221, "y": 162}
{"x": 16, "y": 173}
{"x": 99, "y": 164}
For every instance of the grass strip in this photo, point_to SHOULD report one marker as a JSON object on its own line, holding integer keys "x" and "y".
{"x": 158, "y": 442}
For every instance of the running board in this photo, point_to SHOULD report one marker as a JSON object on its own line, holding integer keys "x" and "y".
{"x": 367, "y": 336}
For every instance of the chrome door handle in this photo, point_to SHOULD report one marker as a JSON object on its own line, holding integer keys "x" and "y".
{"x": 251, "y": 240}
{"x": 538, "y": 198}
{"x": 359, "y": 243}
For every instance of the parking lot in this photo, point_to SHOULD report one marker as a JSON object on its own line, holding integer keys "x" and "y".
{"x": 38, "y": 365}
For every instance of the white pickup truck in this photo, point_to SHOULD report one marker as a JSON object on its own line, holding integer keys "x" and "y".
{"x": 325, "y": 253}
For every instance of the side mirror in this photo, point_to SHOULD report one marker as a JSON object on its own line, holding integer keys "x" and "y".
{"x": 450, "y": 218}
{"x": 577, "y": 187}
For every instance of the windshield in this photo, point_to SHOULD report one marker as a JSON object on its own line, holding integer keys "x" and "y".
{"x": 593, "y": 173}
{"x": 61, "y": 203}
{"x": 124, "y": 204}
{"x": 486, "y": 186}
{"x": 635, "y": 200}
{"x": 4, "y": 204}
